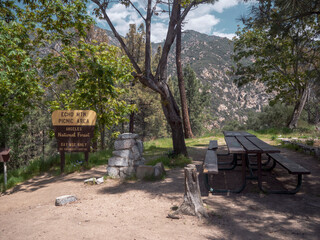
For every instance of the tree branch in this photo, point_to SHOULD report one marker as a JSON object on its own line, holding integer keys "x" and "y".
{"x": 117, "y": 35}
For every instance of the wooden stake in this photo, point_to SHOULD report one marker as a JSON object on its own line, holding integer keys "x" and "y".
{"x": 62, "y": 161}
{"x": 5, "y": 173}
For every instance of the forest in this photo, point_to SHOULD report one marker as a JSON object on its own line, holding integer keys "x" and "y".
{"x": 53, "y": 57}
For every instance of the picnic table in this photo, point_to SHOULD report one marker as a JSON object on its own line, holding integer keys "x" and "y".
{"x": 244, "y": 144}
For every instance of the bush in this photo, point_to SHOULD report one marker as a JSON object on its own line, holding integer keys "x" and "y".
{"x": 171, "y": 162}
{"x": 276, "y": 116}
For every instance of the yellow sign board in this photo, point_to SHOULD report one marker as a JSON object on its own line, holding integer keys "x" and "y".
{"x": 74, "y": 118}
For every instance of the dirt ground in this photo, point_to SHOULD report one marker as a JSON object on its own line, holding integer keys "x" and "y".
{"x": 139, "y": 209}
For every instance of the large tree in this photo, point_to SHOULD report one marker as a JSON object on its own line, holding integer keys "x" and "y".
{"x": 181, "y": 83}
{"x": 158, "y": 81}
{"x": 280, "y": 52}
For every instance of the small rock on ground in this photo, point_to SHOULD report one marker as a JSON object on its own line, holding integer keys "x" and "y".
{"x": 63, "y": 200}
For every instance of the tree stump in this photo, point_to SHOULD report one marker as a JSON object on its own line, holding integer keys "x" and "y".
{"x": 192, "y": 202}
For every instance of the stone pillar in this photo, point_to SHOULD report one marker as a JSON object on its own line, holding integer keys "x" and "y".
{"x": 126, "y": 157}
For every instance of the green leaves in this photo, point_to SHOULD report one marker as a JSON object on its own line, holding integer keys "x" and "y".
{"x": 18, "y": 76}
{"x": 95, "y": 74}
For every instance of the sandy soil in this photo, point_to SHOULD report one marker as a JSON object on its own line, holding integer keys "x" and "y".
{"x": 139, "y": 209}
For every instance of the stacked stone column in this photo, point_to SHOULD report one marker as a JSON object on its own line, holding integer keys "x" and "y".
{"x": 126, "y": 157}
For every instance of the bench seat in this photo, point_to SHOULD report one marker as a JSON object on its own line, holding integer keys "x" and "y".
{"x": 210, "y": 163}
{"x": 292, "y": 167}
{"x": 213, "y": 144}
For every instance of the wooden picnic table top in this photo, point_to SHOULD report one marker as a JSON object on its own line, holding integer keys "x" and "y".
{"x": 243, "y": 142}
{"x": 237, "y": 134}
{"x": 233, "y": 145}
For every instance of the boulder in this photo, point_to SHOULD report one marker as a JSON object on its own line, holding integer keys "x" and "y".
{"x": 113, "y": 172}
{"x": 159, "y": 170}
{"x": 124, "y": 144}
{"x": 139, "y": 162}
{"x": 140, "y": 146}
{"x": 124, "y": 136}
{"x": 118, "y": 161}
{"x": 63, "y": 200}
{"x": 122, "y": 153}
{"x": 135, "y": 153}
{"x": 144, "y": 171}
{"x": 127, "y": 172}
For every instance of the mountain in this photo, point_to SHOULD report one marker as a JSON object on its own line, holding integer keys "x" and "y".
{"x": 210, "y": 58}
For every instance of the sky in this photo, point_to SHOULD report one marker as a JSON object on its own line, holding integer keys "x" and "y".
{"x": 220, "y": 19}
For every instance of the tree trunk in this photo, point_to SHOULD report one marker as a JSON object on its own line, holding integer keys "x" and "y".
{"x": 172, "y": 114}
{"x": 298, "y": 109}
{"x": 131, "y": 124}
{"x": 102, "y": 136}
{"x": 182, "y": 90}
{"x": 192, "y": 202}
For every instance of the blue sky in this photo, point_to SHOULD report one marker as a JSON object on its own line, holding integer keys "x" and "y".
{"x": 220, "y": 18}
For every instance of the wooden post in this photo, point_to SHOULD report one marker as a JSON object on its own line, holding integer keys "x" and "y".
{"x": 192, "y": 202}
{"x": 86, "y": 157}
{"x": 62, "y": 161}
{"x": 5, "y": 173}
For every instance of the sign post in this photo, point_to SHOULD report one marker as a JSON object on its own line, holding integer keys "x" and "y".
{"x": 73, "y": 131}
{"x": 5, "y": 157}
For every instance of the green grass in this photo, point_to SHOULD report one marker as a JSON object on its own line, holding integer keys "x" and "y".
{"x": 74, "y": 162}
{"x": 171, "y": 162}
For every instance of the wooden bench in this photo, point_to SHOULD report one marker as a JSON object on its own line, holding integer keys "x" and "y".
{"x": 292, "y": 168}
{"x": 210, "y": 163}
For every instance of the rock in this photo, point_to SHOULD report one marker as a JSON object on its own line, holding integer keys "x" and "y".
{"x": 100, "y": 180}
{"x": 113, "y": 172}
{"x": 63, "y": 200}
{"x": 90, "y": 181}
{"x": 140, "y": 146}
{"x": 144, "y": 171}
{"x": 128, "y": 136}
{"x": 124, "y": 144}
{"x": 135, "y": 153}
{"x": 122, "y": 153}
{"x": 139, "y": 162}
{"x": 159, "y": 170}
{"x": 118, "y": 161}
{"x": 127, "y": 172}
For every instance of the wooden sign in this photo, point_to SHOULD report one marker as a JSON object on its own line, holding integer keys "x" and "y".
{"x": 74, "y": 118}
{"x": 73, "y": 131}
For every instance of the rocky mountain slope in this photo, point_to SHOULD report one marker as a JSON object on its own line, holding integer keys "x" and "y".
{"x": 210, "y": 58}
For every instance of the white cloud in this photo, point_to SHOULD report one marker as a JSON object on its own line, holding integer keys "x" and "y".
{"x": 220, "y": 5}
{"x": 121, "y": 17}
{"x": 202, "y": 24}
{"x": 226, "y": 35}
{"x": 201, "y": 20}
{"x": 158, "y": 32}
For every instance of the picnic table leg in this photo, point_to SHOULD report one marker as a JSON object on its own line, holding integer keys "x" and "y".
{"x": 263, "y": 165}
{"x": 293, "y": 191}
{"x": 244, "y": 182}
{"x": 259, "y": 170}
{"x": 233, "y": 163}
